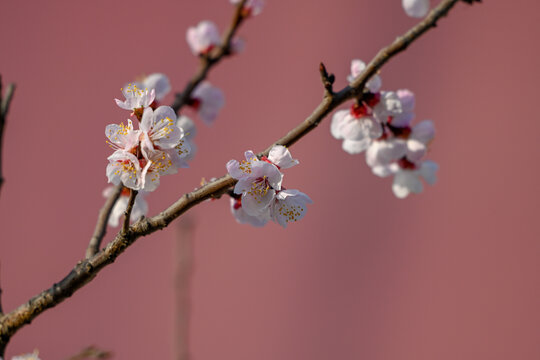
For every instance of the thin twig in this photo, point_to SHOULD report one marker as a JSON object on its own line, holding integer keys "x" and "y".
{"x": 327, "y": 80}
{"x": 87, "y": 269}
{"x": 211, "y": 59}
{"x": 1, "y": 310}
{"x": 103, "y": 218}
{"x": 5, "y": 101}
{"x": 91, "y": 352}
{"x": 127, "y": 213}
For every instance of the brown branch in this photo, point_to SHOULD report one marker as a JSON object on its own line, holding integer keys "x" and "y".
{"x": 87, "y": 269}
{"x": 127, "y": 213}
{"x": 209, "y": 60}
{"x": 1, "y": 310}
{"x": 103, "y": 218}
{"x": 5, "y": 101}
{"x": 91, "y": 352}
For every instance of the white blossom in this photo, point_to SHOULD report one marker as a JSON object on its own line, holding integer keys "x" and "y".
{"x": 289, "y": 206}
{"x": 258, "y": 182}
{"x": 136, "y": 98}
{"x": 357, "y": 67}
{"x": 203, "y": 37}
{"x": 207, "y": 100}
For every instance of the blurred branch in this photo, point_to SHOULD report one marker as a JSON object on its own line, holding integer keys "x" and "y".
{"x": 101, "y": 225}
{"x": 183, "y": 271}
{"x": 5, "y": 101}
{"x": 91, "y": 352}
{"x": 210, "y": 59}
{"x": 87, "y": 269}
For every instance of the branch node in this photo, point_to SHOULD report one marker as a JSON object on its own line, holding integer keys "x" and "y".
{"x": 327, "y": 80}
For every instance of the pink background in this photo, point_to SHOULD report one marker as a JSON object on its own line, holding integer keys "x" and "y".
{"x": 449, "y": 274}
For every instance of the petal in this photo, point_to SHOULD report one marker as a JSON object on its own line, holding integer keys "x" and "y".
{"x": 160, "y": 83}
{"x": 416, "y": 8}
{"x": 281, "y": 156}
{"x": 405, "y": 182}
{"x": 428, "y": 171}
{"x": 355, "y": 146}
{"x": 424, "y": 131}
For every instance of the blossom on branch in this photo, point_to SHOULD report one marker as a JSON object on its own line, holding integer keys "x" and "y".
{"x": 137, "y": 99}
{"x": 251, "y": 7}
{"x": 203, "y": 37}
{"x": 207, "y": 100}
{"x": 142, "y": 156}
{"x": 262, "y": 197}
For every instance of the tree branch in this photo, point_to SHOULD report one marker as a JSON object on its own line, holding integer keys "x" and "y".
{"x": 5, "y": 101}
{"x": 87, "y": 269}
{"x": 103, "y": 218}
{"x": 127, "y": 213}
{"x": 209, "y": 60}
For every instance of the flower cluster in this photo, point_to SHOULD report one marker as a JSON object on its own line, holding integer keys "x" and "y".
{"x": 157, "y": 148}
{"x": 381, "y": 126}
{"x": 261, "y": 196}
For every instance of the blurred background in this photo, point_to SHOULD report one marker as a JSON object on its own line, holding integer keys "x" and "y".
{"x": 452, "y": 273}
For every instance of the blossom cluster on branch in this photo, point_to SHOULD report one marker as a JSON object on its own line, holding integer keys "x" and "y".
{"x": 260, "y": 185}
{"x": 381, "y": 125}
{"x": 156, "y": 141}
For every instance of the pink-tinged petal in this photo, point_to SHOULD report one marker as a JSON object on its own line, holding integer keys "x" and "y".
{"x": 337, "y": 123}
{"x": 262, "y": 169}
{"x": 289, "y": 206}
{"x": 359, "y": 129}
{"x": 428, "y": 170}
{"x": 147, "y": 120}
{"x": 406, "y": 182}
{"x": 384, "y": 152}
{"x": 424, "y": 131}
{"x": 355, "y": 146}
{"x": 402, "y": 120}
{"x": 244, "y": 218}
{"x": 416, "y": 8}
{"x": 281, "y": 156}
{"x": 233, "y": 168}
{"x": 160, "y": 83}
{"x": 357, "y": 67}
{"x": 250, "y": 156}
{"x": 211, "y": 101}
{"x": 203, "y": 37}
{"x": 407, "y": 99}
{"x": 385, "y": 170}
{"x": 255, "y": 203}
{"x": 415, "y": 150}
{"x": 124, "y": 168}
{"x": 187, "y": 125}
{"x": 389, "y": 105}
